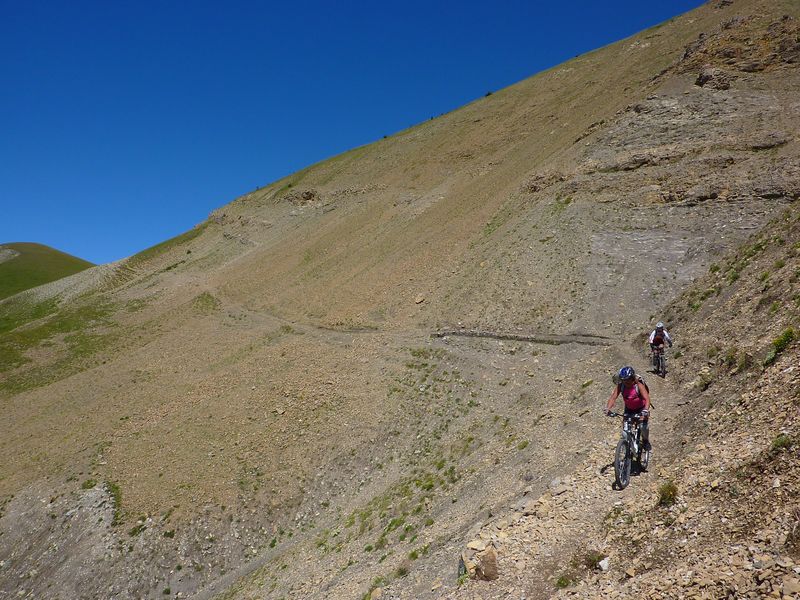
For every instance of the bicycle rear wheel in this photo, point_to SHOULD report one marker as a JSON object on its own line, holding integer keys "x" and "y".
{"x": 622, "y": 465}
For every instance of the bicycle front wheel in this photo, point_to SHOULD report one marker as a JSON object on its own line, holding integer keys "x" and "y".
{"x": 622, "y": 465}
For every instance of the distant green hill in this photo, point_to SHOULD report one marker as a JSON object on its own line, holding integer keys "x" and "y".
{"x": 34, "y": 264}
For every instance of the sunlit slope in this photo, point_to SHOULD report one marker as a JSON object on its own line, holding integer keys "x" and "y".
{"x": 270, "y": 376}
{"x": 24, "y": 265}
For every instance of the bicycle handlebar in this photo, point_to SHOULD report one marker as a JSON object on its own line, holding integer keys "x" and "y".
{"x": 624, "y": 416}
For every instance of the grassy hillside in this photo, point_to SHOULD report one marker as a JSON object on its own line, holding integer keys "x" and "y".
{"x": 29, "y": 265}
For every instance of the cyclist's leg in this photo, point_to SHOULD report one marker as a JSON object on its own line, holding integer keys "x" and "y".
{"x": 645, "y": 428}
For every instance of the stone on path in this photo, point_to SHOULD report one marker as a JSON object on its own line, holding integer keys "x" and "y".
{"x": 487, "y": 565}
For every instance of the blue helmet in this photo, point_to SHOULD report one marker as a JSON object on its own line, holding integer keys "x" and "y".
{"x": 626, "y": 373}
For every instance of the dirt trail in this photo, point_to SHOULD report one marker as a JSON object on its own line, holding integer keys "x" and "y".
{"x": 537, "y": 338}
{"x": 550, "y": 536}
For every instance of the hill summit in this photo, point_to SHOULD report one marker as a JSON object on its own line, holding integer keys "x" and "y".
{"x": 24, "y": 265}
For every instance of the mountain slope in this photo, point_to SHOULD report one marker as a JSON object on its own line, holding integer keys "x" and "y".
{"x": 259, "y": 402}
{"x": 717, "y": 514}
{"x": 24, "y": 265}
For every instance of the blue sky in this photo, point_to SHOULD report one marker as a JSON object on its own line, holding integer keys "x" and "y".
{"x": 125, "y": 123}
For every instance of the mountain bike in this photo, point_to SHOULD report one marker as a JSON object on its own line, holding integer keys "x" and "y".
{"x": 630, "y": 448}
{"x": 659, "y": 361}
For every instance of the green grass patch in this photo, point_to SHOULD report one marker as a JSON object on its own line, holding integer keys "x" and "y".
{"x": 116, "y": 501}
{"x": 16, "y": 313}
{"x": 782, "y": 442}
{"x": 564, "y": 581}
{"x": 71, "y": 336}
{"x": 24, "y": 331}
{"x": 779, "y": 344}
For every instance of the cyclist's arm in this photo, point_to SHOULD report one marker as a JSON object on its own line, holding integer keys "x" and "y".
{"x": 612, "y": 399}
{"x": 645, "y": 396}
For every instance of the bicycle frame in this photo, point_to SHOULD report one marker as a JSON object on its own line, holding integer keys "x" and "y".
{"x": 630, "y": 433}
{"x": 629, "y": 448}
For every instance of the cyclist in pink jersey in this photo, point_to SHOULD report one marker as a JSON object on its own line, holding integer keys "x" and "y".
{"x": 636, "y": 396}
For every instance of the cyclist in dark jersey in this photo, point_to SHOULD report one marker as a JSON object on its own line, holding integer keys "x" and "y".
{"x": 636, "y": 396}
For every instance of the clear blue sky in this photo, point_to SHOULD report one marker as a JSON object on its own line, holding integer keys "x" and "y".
{"x": 124, "y": 123}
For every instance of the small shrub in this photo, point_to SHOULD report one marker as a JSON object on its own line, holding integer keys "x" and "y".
{"x": 394, "y": 524}
{"x": 116, "y": 501}
{"x": 667, "y": 493}
{"x": 169, "y": 534}
{"x": 413, "y": 555}
{"x": 591, "y": 560}
{"x": 779, "y": 344}
{"x": 782, "y": 442}
{"x": 522, "y": 445}
{"x": 166, "y": 591}
{"x": 403, "y": 569}
{"x": 730, "y": 357}
{"x": 564, "y": 581}
{"x": 88, "y": 484}
{"x": 745, "y": 362}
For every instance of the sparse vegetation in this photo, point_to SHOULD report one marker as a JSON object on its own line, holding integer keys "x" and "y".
{"x": 116, "y": 501}
{"x": 779, "y": 344}
{"x": 206, "y": 303}
{"x": 565, "y": 580}
{"x": 667, "y": 493}
{"x": 781, "y": 442}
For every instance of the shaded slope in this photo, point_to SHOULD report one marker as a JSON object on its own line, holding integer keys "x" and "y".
{"x": 24, "y": 265}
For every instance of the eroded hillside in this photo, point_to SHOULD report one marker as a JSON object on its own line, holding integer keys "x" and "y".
{"x": 257, "y": 408}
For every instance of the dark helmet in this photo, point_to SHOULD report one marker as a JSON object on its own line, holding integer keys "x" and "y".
{"x": 626, "y": 373}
